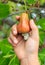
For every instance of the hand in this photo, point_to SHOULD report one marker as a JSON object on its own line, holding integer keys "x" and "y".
{"x": 25, "y": 48}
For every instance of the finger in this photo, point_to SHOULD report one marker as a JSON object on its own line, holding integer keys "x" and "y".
{"x": 19, "y": 38}
{"x": 14, "y": 29}
{"x": 35, "y": 33}
{"x": 18, "y": 17}
{"x": 10, "y": 41}
{"x": 13, "y": 38}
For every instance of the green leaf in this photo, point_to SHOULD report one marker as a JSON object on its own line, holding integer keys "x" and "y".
{"x": 14, "y": 61}
{"x": 5, "y": 46}
{"x": 42, "y": 37}
{"x": 8, "y": 56}
{"x": 31, "y": 1}
{"x": 42, "y": 56}
{"x": 42, "y": 2}
{"x": 41, "y": 22}
{"x": 11, "y": 6}
{"x": 4, "y": 61}
{"x": 4, "y": 10}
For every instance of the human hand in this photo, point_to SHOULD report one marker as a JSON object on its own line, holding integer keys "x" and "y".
{"x": 24, "y": 48}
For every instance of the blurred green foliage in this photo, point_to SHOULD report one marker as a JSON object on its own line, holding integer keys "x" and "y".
{"x": 4, "y": 10}
{"x": 7, "y": 55}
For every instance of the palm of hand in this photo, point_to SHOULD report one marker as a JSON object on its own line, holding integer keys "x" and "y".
{"x": 26, "y": 47}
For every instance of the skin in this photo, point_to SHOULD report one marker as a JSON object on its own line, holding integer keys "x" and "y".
{"x": 26, "y": 51}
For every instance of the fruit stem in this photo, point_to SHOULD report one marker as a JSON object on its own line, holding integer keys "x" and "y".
{"x": 25, "y": 5}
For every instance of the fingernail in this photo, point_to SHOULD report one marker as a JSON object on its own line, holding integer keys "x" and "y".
{"x": 15, "y": 41}
{"x": 15, "y": 32}
{"x": 32, "y": 20}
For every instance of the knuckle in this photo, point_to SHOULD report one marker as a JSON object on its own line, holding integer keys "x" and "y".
{"x": 13, "y": 26}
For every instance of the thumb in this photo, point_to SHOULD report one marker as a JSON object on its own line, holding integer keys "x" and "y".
{"x": 34, "y": 29}
{"x": 14, "y": 29}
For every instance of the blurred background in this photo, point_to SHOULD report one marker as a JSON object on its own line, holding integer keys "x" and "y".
{"x": 8, "y": 11}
